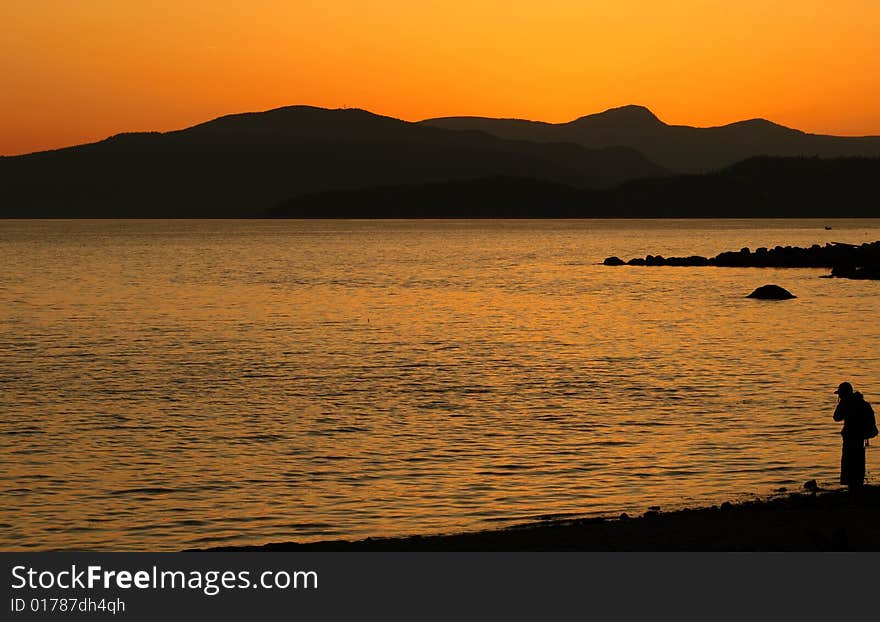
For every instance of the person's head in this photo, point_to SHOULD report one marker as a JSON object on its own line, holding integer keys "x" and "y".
{"x": 844, "y": 390}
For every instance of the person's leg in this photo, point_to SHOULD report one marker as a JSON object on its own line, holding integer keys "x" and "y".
{"x": 852, "y": 470}
{"x": 859, "y": 464}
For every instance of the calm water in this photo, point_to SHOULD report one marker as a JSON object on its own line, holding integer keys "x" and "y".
{"x": 187, "y": 384}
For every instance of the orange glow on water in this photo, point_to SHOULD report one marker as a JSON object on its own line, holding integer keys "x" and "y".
{"x": 179, "y": 384}
{"x": 76, "y": 72}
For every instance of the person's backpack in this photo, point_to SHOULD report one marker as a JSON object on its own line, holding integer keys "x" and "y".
{"x": 870, "y": 424}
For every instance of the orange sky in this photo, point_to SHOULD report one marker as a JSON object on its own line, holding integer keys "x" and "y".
{"x": 78, "y": 71}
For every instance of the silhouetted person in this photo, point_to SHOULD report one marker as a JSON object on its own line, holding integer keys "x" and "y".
{"x": 858, "y": 421}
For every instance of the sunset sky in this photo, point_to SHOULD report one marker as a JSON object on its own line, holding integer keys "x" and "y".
{"x": 78, "y": 71}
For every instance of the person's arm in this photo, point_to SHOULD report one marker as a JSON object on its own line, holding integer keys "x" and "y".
{"x": 839, "y": 412}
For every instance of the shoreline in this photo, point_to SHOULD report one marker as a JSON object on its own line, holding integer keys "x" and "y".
{"x": 812, "y": 519}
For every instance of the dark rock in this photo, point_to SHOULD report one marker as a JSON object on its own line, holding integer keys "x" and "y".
{"x": 624, "y": 516}
{"x": 811, "y": 485}
{"x": 783, "y": 489}
{"x": 651, "y": 514}
{"x": 697, "y": 260}
{"x": 849, "y": 261}
{"x": 771, "y": 292}
{"x": 614, "y": 261}
{"x": 656, "y": 508}
{"x": 693, "y": 260}
{"x": 856, "y": 272}
{"x": 727, "y": 505}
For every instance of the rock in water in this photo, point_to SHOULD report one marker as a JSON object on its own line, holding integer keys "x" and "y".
{"x": 614, "y": 261}
{"x": 771, "y": 292}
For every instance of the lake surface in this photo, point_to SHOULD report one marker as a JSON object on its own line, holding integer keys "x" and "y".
{"x": 173, "y": 384}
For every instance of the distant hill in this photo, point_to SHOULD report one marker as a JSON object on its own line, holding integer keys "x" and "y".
{"x": 755, "y": 188}
{"x": 676, "y": 147}
{"x": 241, "y": 165}
{"x": 491, "y": 197}
{"x": 761, "y": 187}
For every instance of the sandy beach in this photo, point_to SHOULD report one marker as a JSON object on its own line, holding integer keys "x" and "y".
{"x": 811, "y": 519}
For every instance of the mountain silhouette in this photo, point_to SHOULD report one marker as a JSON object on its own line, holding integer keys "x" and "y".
{"x": 678, "y": 148}
{"x": 244, "y": 164}
{"x": 490, "y": 197}
{"x": 759, "y": 187}
{"x": 762, "y": 187}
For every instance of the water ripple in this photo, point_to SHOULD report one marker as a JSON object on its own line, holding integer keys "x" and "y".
{"x": 169, "y": 385}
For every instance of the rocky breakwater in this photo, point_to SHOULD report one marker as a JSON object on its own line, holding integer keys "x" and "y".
{"x": 849, "y": 261}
